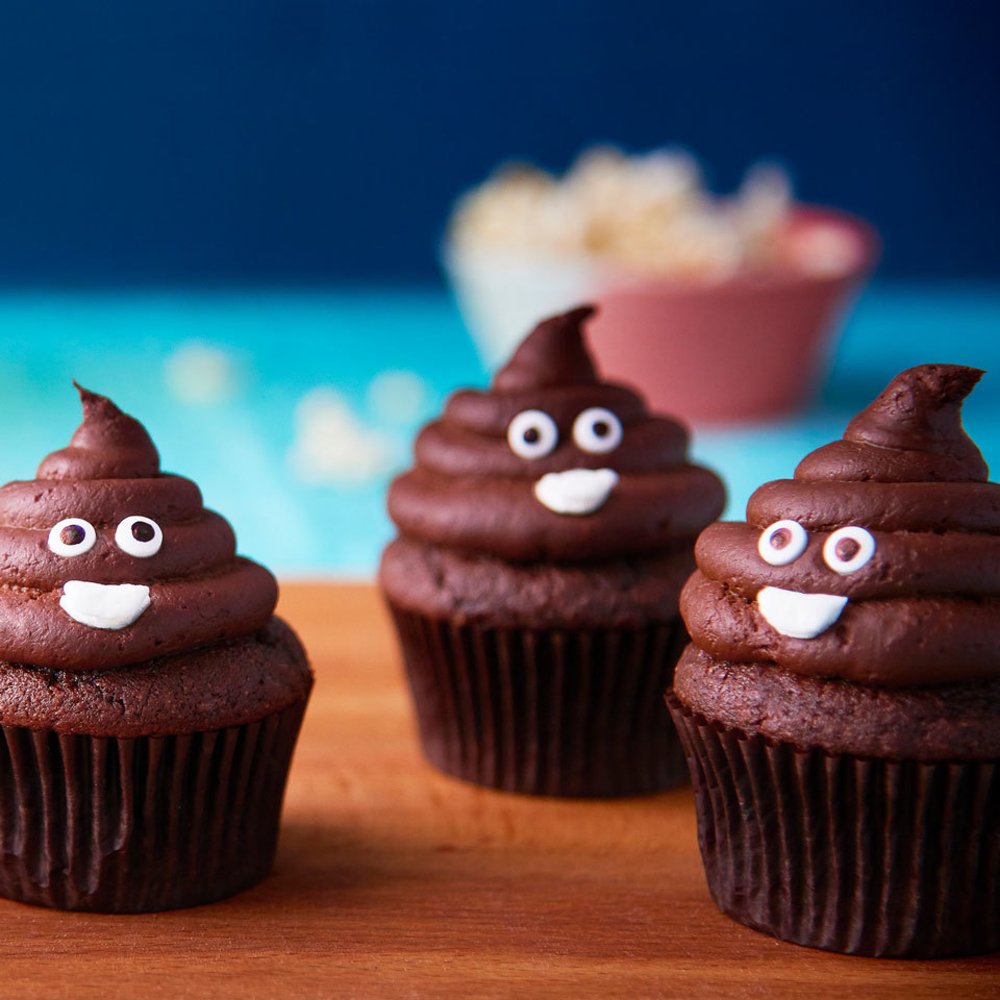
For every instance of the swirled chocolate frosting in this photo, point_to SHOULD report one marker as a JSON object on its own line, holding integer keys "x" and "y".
{"x": 878, "y": 563}
{"x": 552, "y": 463}
{"x": 105, "y": 561}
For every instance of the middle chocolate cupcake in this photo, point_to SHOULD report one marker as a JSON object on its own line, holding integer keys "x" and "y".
{"x": 544, "y": 536}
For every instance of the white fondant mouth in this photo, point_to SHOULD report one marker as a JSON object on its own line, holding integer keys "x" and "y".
{"x": 799, "y": 616}
{"x": 576, "y": 491}
{"x": 104, "y": 605}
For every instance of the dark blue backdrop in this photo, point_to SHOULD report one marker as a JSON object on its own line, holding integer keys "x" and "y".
{"x": 305, "y": 140}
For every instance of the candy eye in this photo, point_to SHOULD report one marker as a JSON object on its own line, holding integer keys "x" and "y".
{"x": 72, "y": 537}
{"x": 848, "y": 549}
{"x": 597, "y": 430}
{"x": 783, "y": 542}
{"x": 139, "y": 536}
{"x": 532, "y": 434}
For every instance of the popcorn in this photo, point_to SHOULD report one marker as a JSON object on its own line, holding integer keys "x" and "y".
{"x": 334, "y": 445}
{"x": 648, "y": 214}
{"x": 202, "y": 375}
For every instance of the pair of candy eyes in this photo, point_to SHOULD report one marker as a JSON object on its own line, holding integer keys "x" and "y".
{"x": 138, "y": 536}
{"x": 534, "y": 434}
{"x": 845, "y": 551}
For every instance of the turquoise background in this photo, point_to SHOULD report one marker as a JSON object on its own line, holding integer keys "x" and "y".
{"x": 281, "y": 345}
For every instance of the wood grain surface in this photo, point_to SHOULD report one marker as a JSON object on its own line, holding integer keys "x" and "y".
{"x": 394, "y": 881}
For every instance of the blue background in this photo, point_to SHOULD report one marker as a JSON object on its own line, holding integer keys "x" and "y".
{"x": 316, "y": 141}
{"x": 269, "y": 180}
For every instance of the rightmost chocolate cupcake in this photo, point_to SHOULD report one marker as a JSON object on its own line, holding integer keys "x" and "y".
{"x": 839, "y": 703}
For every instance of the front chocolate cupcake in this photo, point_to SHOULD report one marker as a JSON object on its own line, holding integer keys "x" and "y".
{"x": 149, "y": 699}
{"x": 841, "y": 697}
{"x": 544, "y": 535}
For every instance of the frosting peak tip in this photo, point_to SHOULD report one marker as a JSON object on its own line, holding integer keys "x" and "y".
{"x": 108, "y": 444}
{"x": 929, "y": 387}
{"x": 94, "y": 404}
{"x": 554, "y": 353}
{"x": 919, "y": 393}
{"x": 920, "y": 410}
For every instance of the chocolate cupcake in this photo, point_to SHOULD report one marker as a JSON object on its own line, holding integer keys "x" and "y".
{"x": 840, "y": 700}
{"x": 544, "y": 536}
{"x": 149, "y": 699}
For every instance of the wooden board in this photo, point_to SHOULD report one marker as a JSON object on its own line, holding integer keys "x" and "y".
{"x": 393, "y": 881}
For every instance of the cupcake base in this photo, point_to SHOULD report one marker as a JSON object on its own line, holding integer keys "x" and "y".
{"x": 860, "y": 855}
{"x": 544, "y": 711}
{"x": 130, "y": 825}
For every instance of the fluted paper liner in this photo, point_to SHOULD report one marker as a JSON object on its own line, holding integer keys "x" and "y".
{"x": 142, "y": 824}
{"x": 867, "y": 856}
{"x": 545, "y": 712}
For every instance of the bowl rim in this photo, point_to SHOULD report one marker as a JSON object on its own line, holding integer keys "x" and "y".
{"x": 612, "y": 280}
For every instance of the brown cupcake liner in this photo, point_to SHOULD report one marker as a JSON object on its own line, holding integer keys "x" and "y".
{"x": 141, "y": 824}
{"x": 866, "y": 856}
{"x": 545, "y": 712}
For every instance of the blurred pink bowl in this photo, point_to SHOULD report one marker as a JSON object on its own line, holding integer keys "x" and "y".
{"x": 741, "y": 349}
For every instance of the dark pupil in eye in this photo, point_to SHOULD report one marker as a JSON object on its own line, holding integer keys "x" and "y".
{"x": 847, "y": 549}
{"x": 601, "y": 428}
{"x": 780, "y": 538}
{"x": 143, "y": 532}
{"x": 532, "y": 435}
{"x": 72, "y": 534}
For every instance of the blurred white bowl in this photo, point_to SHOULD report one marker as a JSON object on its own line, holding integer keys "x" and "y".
{"x": 502, "y": 296}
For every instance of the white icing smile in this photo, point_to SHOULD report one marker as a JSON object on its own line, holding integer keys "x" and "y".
{"x": 799, "y": 616}
{"x": 576, "y": 491}
{"x": 103, "y": 605}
